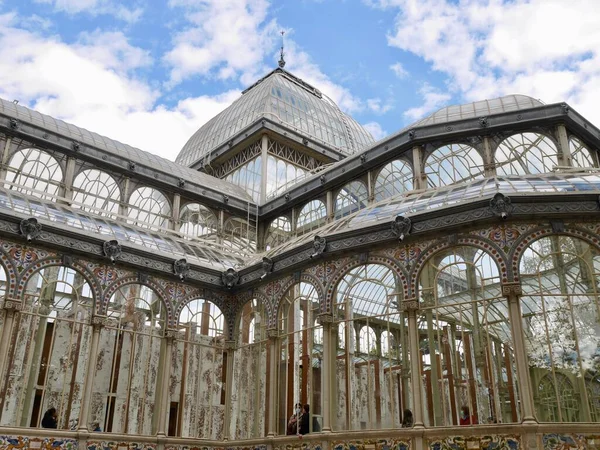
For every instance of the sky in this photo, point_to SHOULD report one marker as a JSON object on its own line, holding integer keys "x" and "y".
{"x": 149, "y": 73}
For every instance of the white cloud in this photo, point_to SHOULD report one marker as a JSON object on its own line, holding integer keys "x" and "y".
{"x": 226, "y": 38}
{"x": 96, "y": 7}
{"x": 399, "y": 70}
{"x": 375, "y": 105}
{"x": 375, "y": 129}
{"x": 433, "y": 99}
{"x": 548, "y": 49}
{"x": 91, "y": 84}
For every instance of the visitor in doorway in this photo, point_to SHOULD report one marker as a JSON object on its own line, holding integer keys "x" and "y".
{"x": 50, "y": 420}
{"x": 292, "y": 426}
{"x": 304, "y": 423}
{"x": 96, "y": 427}
{"x": 407, "y": 419}
{"x": 465, "y": 416}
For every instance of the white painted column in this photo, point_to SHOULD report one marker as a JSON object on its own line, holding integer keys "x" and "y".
{"x": 163, "y": 392}
{"x": 230, "y": 349}
{"x": 564, "y": 152}
{"x": 329, "y": 206}
{"x": 97, "y": 324}
{"x": 174, "y": 222}
{"x": 273, "y": 336}
{"x": 512, "y": 292}
{"x": 489, "y": 166}
{"x": 411, "y": 307}
{"x": 264, "y": 174}
{"x": 10, "y": 306}
{"x": 123, "y": 204}
{"x": 66, "y": 189}
{"x": 326, "y": 321}
{"x": 420, "y": 179}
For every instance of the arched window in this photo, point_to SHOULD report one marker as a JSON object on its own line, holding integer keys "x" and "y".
{"x": 312, "y": 216}
{"x": 367, "y": 342}
{"x": 463, "y": 314}
{"x": 34, "y": 172}
{"x": 238, "y": 235}
{"x": 250, "y": 364}
{"x": 47, "y": 360}
{"x": 125, "y": 389}
{"x": 281, "y": 174}
{"x": 3, "y": 282}
{"x": 198, "y": 221}
{"x": 198, "y": 369}
{"x": 367, "y": 298}
{"x": 97, "y": 192}
{"x": 301, "y": 356}
{"x": 560, "y": 278}
{"x": 248, "y": 177}
{"x": 280, "y": 230}
{"x": 389, "y": 348}
{"x": 351, "y": 198}
{"x": 580, "y": 154}
{"x": 149, "y": 208}
{"x": 394, "y": 178}
{"x": 526, "y": 153}
{"x": 453, "y": 163}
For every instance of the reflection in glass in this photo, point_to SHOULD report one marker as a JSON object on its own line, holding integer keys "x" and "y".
{"x": 394, "y": 178}
{"x": 34, "y": 172}
{"x": 526, "y": 153}
{"x": 453, "y": 163}
{"x": 351, "y": 198}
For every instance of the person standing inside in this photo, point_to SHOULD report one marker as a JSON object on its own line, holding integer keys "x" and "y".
{"x": 304, "y": 427}
{"x": 49, "y": 420}
{"x": 292, "y": 426}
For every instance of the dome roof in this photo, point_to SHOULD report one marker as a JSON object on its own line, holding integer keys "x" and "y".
{"x": 286, "y": 99}
{"x": 479, "y": 109}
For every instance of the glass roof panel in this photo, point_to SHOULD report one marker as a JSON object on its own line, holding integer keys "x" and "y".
{"x": 283, "y": 98}
{"x": 124, "y": 151}
{"x": 196, "y": 252}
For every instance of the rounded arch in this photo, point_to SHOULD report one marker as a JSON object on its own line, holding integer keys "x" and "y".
{"x": 149, "y": 283}
{"x": 11, "y": 273}
{"x": 312, "y": 216}
{"x": 148, "y": 208}
{"x": 278, "y": 232}
{"x": 49, "y": 262}
{"x": 212, "y": 320}
{"x": 526, "y": 153}
{"x": 304, "y": 278}
{"x": 337, "y": 276}
{"x": 580, "y": 154}
{"x": 488, "y": 247}
{"x": 350, "y": 198}
{"x": 34, "y": 172}
{"x": 525, "y": 240}
{"x": 239, "y": 235}
{"x": 271, "y": 319}
{"x": 198, "y": 220}
{"x": 453, "y": 163}
{"x": 396, "y": 177}
{"x": 96, "y": 191}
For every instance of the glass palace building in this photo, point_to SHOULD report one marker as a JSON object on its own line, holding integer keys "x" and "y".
{"x": 451, "y": 269}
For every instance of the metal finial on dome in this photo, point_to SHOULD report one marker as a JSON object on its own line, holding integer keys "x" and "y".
{"x": 281, "y": 60}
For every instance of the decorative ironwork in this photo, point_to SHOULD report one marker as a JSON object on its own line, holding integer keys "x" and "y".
{"x": 76, "y": 146}
{"x": 401, "y": 227}
{"x": 483, "y": 122}
{"x": 238, "y": 160}
{"x": 181, "y": 183}
{"x": 112, "y": 250}
{"x": 230, "y": 278}
{"x": 412, "y": 134}
{"x": 501, "y": 205}
{"x": 323, "y": 179}
{"x": 181, "y": 268}
{"x": 558, "y": 226}
{"x": 14, "y": 124}
{"x": 267, "y": 267}
{"x": 131, "y": 165}
{"x": 30, "y": 228}
{"x": 319, "y": 245}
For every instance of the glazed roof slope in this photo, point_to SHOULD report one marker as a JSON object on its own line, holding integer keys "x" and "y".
{"x": 124, "y": 151}
{"x": 286, "y": 99}
{"x": 483, "y": 108}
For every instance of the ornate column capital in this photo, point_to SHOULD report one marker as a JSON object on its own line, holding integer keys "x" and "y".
{"x": 12, "y": 305}
{"x": 229, "y": 345}
{"x": 513, "y": 289}
{"x": 272, "y": 333}
{"x": 324, "y": 318}
{"x": 99, "y": 322}
{"x": 410, "y": 304}
{"x": 171, "y": 334}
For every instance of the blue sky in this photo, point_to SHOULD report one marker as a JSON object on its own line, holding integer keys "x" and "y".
{"x": 149, "y": 73}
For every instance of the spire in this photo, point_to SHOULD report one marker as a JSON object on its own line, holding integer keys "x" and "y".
{"x": 281, "y": 60}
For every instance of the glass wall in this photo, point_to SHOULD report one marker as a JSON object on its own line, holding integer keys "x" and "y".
{"x": 312, "y": 216}
{"x": 248, "y": 177}
{"x": 97, "y": 192}
{"x": 281, "y": 174}
{"x": 197, "y": 386}
{"x": 373, "y": 387}
{"x": 394, "y": 178}
{"x": 149, "y": 208}
{"x": 49, "y": 350}
{"x": 34, "y": 172}
{"x": 561, "y": 323}
{"x": 279, "y": 231}
{"x": 453, "y": 163}
{"x": 198, "y": 221}
{"x": 466, "y": 347}
{"x": 351, "y": 198}
{"x": 526, "y": 153}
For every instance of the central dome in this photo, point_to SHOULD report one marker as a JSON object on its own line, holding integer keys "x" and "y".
{"x": 285, "y": 99}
